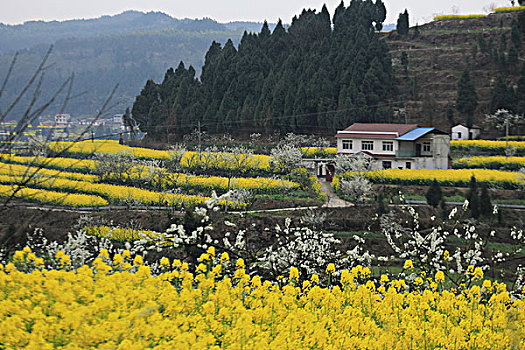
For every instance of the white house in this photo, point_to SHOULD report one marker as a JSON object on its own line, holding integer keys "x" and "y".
{"x": 404, "y": 146}
{"x": 462, "y": 132}
{"x": 62, "y": 119}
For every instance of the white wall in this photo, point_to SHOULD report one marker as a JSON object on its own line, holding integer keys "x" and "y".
{"x": 356, "y": 146}
{"x": 464, "y": 131}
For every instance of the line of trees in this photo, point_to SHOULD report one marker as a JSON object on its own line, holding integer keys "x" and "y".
{"x": 310, "y": 77}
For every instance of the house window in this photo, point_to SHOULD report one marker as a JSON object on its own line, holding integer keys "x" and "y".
{"x": 367, "y": 145}
{"x": 426, "y": 147}
{"x": 408, "y": 165}
{"x": 387, "y": 164}
{"x": 388, "y": 146}
{"x": 347, "y": 144}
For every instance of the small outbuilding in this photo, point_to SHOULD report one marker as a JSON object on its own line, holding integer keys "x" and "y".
{"x": 463, "y": 132}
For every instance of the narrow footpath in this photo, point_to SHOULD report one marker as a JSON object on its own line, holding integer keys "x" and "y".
{"x": 332, "y": 200}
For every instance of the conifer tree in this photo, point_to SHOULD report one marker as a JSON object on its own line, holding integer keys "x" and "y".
{"x": 403, "y": 23}
{"x": 434, "y": 194}
{"x": 515, "y": 34}
{"x": 520, "y": 92}
{"x": 450, "y": 115}
{"x": 467, "y": 98}
{"x": 485, "y": 206}
{"x": 473, "y": 198}
{"x": 404, "y": 61}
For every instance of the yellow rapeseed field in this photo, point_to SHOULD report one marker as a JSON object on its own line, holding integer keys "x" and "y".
{"x": 120, "y": 233}
{"x": 114, "y": 193}
{"x": 106, "y": 146}
{"x": 319, "y": 151}
{"x": 456, "y": 17}
{"x": 117, "y": 304}
{"x": 486, "y": 145}
{"x": 34, "y": 171}
{"x": 509, "y": 9}
{"x": 56, "y": 163}
{"x": 51, "y": 197}
{"x": 448, "y": 177}
{"x": 225, "y": 161}
{"x": 495, "y": 162}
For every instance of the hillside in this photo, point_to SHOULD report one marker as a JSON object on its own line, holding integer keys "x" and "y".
{"x": 32, "y": 33}
{"x": 437, "y": 58}
{"x": 127, "y": 49}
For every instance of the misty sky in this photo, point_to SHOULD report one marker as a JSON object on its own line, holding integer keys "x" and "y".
{"x": 18, "y": 11}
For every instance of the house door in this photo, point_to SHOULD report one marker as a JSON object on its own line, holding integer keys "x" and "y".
{"x": 418, "y": 150}
{"x": 330, "y": 171}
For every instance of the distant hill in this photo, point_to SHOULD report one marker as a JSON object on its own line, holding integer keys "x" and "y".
{"x": 128, "y": 49}
{"x": 32, "y": 33}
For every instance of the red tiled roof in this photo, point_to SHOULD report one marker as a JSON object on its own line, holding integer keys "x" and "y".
{"x": 364, "y": 128}
{"x": 367, "y": 136}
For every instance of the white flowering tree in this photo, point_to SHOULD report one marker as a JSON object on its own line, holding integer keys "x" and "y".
{"x": 286, "y": 157}
{"x": 427, "y": 248}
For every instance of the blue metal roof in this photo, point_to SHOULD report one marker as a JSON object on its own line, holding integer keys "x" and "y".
{"x": 414, "y": 134}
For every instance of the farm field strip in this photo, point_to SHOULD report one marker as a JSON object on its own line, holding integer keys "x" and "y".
{"x": 204, "y": 160}
{"x": 121, "y": 234}
{"x": 486, "y": 145}
{"x": 116, "y": 194}
{"x": 164, "y": 179}
{"x": 449, "y": 177}
{"x": 158, "y": 176}
{"x": 494, "y": 162}
{"x": 60, "y": 163}
{"x": 109, "y": 146}
{"x": 33, "y": 171}
{"x": 52, "y": 197}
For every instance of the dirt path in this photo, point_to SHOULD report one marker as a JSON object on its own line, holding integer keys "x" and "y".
{"x": 332, "y": 200}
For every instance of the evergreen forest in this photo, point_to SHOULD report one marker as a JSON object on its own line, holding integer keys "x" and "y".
{"x": 320, "y": 74}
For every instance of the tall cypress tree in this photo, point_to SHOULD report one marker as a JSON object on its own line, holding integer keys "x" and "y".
{"x": 485, "y": 206}
{"x": 467, "y": 98}
{"x": 403, "y": 23}
{"x": 473, "y": 197}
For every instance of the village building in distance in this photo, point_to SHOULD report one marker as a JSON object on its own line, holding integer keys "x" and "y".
{"x": 463, "y": 132}
{"x": 403, "y": 146}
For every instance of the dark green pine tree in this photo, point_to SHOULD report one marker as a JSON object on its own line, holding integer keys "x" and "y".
{"x": 516, "y": 35}
{"x": 434, "y": 194}
{"x": 485, "y": 205}
{"x": 143, "y": 105}
{"x": 467, "y": 98}
{"x": 404, "y": 61}
{"x": 473, "y": 198}
{"x": 512, "y": 58}
{"x": 403, "y": 23}
{"x": 450, "y": 115}
{"x": 380, "y": 14}
{"x": 520, "y": 92}
{"x": 499, "y": 96}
